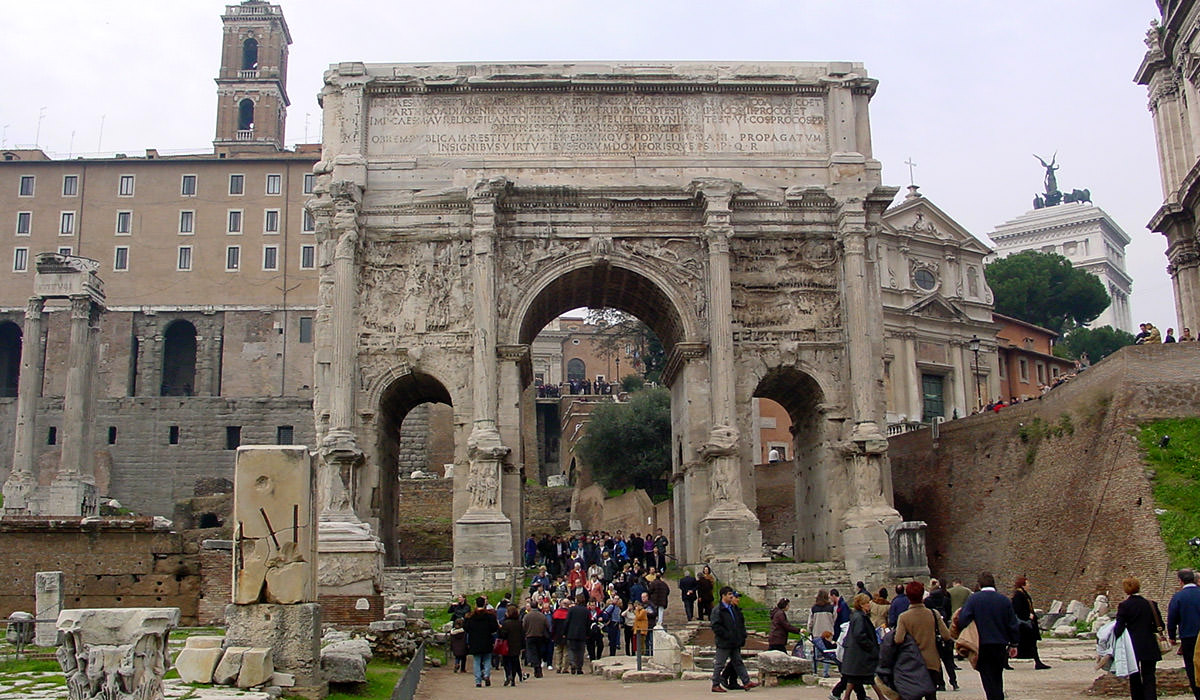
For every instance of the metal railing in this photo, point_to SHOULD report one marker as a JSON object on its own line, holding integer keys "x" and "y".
{"x": 406, "y": 687}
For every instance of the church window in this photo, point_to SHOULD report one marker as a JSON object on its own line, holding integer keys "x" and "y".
{"x": 274, "y": 184}
{"x": 187, "y": 186}
{"x": 250, "y": 54}
{"x": 179, "y": 359}
{"x": 237, "y": 184}
{"x": 125, "y": 186}
{"x": 246, "y": 115}
{"x": 924, "y": 279}
{"x": 70, "y": 185}
{"x": 25, "y": 189}
{"x": 20, "y": 259}
{"x": 24, "y": 222}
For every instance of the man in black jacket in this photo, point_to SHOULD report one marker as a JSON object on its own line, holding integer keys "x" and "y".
{"x": 687, "y": 591}
{"x": 579, "y": 621}
{"x": 729, "y": 629}
{"x": 481, "y": 626}
{"x": 997, "y": 625}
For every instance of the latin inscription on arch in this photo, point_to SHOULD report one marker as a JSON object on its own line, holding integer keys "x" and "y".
{"x": 602, "y": 125}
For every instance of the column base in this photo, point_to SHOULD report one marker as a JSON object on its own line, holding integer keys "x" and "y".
{"x": 729, "y": 534}
{"x": 865, "y": 542}
{"x": 483, "y": 552}
{"x": 18, "y": 491}
{"x": 72, "y": 497}
{"x": 349, "y": 558}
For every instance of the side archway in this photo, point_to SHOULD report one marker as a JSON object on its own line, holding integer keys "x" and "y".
{"x": 396, "y": 401}
{"x": 10, "y": 358}
{"x": 179, "y": 359}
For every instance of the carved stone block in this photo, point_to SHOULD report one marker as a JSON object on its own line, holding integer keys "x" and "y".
{"x": 115, "y": 653}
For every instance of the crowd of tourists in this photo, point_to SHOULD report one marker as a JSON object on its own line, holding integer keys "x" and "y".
{"x": 610, "y": 551}
{"x": 577, "y": 387}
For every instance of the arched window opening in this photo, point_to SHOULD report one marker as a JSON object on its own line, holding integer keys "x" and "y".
{"x": 246, "y": 115}
{"x": 576, "y": 370}
{"x": 179, "y": 360}
{"x": 250, "y": 54}
{"x": 10, "y": 358}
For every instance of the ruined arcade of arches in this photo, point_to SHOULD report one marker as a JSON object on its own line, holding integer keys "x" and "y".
{"x": 732, "y": 208}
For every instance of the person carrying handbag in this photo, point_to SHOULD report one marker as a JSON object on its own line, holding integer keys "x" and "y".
{"x": 1141, "y": 620}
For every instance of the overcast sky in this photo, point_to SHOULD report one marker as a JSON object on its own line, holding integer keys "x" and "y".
{"x": 968, "y": 90}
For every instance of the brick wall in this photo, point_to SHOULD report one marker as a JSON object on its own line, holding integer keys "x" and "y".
{"x": 343, "y": 610}
{"x": 424, "y": 521}
{"x": 117, "y": 563}
{"x": 547, "y": 509}
{"x": 216, "y": 590}
{"x": 1074, "y": 512}
{"x": 775, "y": 485}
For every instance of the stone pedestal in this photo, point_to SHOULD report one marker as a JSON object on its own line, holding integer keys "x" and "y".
{"x": 293, "y": 633}
{"x": 865, "y": 542}
{"x": 728, "y": 535}
{"x": 668, "y": 652}
{"x": 48, "y": 589}
{"x": 349, "y": 559}
{"x": 69, "y": 495}
{"x": 115, "y": 653}
{"x": 483, "y": 553}
{"x": 18, "y": 490}
{"x": 908, "y": 558}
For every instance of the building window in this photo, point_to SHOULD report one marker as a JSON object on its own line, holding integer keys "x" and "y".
{"x": 310, "y": 224}
{"x": 235, "y": 221}
{"x": 173, "y": 435}
{"x": 20, "y": 259}
{"x": 52, "y": 436}
{"x": 1054, "y": 373}
{"x": 25, "y": 189}
{"x": 184, "y": 260}
{"x": 65, "y": 250}
{"x": 233, "y": 437}
{"x": 933, "y": 397}
{"x": 306, "y": 329}
{"x": 179, "y": 359}
{"x": 308, "y": 257}
{"x": 1003, "y": 366}
{"x": 187, "y": 186}
{"x": 124, "y": 222}
{"x": 24, "y": 222}
{"x": 187, "y": 222}
{"x": 271, "y": 221}
{"x": 112, "y": 434}
{"x": 284, "y": 435}
{"x": 237, "y": 184}
{"x": 1041, "y": 372}
{"x": 125, "y": 186}
{"x": 274, "y": 184}
{"x": 233, "y": 258}
{"x": 576, "y": 370}
{"x": 121, "y": 258}
{"x": 308, "y": 183}
{"x": 270, "y": 257}
{"x": 66, "y": 223}
{"x": 70, "y": 185}
{"x": 1024, "y": 366}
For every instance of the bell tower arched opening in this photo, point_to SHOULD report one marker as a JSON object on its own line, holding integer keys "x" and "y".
{"x": 397, "y": 403}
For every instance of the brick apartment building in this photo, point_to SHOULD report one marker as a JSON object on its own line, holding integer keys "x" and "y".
{"x": 209, "y": 269}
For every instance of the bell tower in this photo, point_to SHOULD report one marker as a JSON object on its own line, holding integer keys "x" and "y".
{"x": 252, "y": 96}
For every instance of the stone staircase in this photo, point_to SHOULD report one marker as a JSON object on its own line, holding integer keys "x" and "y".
{"x": 427, "y": 586}
{"x": 800, "y": 582}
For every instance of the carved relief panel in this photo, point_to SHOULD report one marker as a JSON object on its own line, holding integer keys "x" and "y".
{"x": 413, "y": 288}
{"x": 785, "y": 284}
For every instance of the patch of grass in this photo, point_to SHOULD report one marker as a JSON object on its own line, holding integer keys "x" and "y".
{"x": 185, "y": 632}
{"x": 1176, "y": 484}
{"x": 757, "y": 614}
{"x": 381, "y": 679}
{"x": 29, "y": 666}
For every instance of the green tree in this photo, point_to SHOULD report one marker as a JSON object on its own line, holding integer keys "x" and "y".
{"x": 623, "y": 336}
{"x": 1096, "y": 343}
{"x": 1044, "y": 289}
{"x": 629, "y": 442}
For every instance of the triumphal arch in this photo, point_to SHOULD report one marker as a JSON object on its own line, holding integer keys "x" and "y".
{"x": 732, "y": 207}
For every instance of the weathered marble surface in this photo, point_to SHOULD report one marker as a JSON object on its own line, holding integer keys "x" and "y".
{"x": 115, "y": 653}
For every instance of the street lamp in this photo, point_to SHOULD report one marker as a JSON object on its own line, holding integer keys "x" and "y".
{"x": 974, "y": 346}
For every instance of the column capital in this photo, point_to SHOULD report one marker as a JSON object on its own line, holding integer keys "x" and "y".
{"x": 34, "y": 307}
